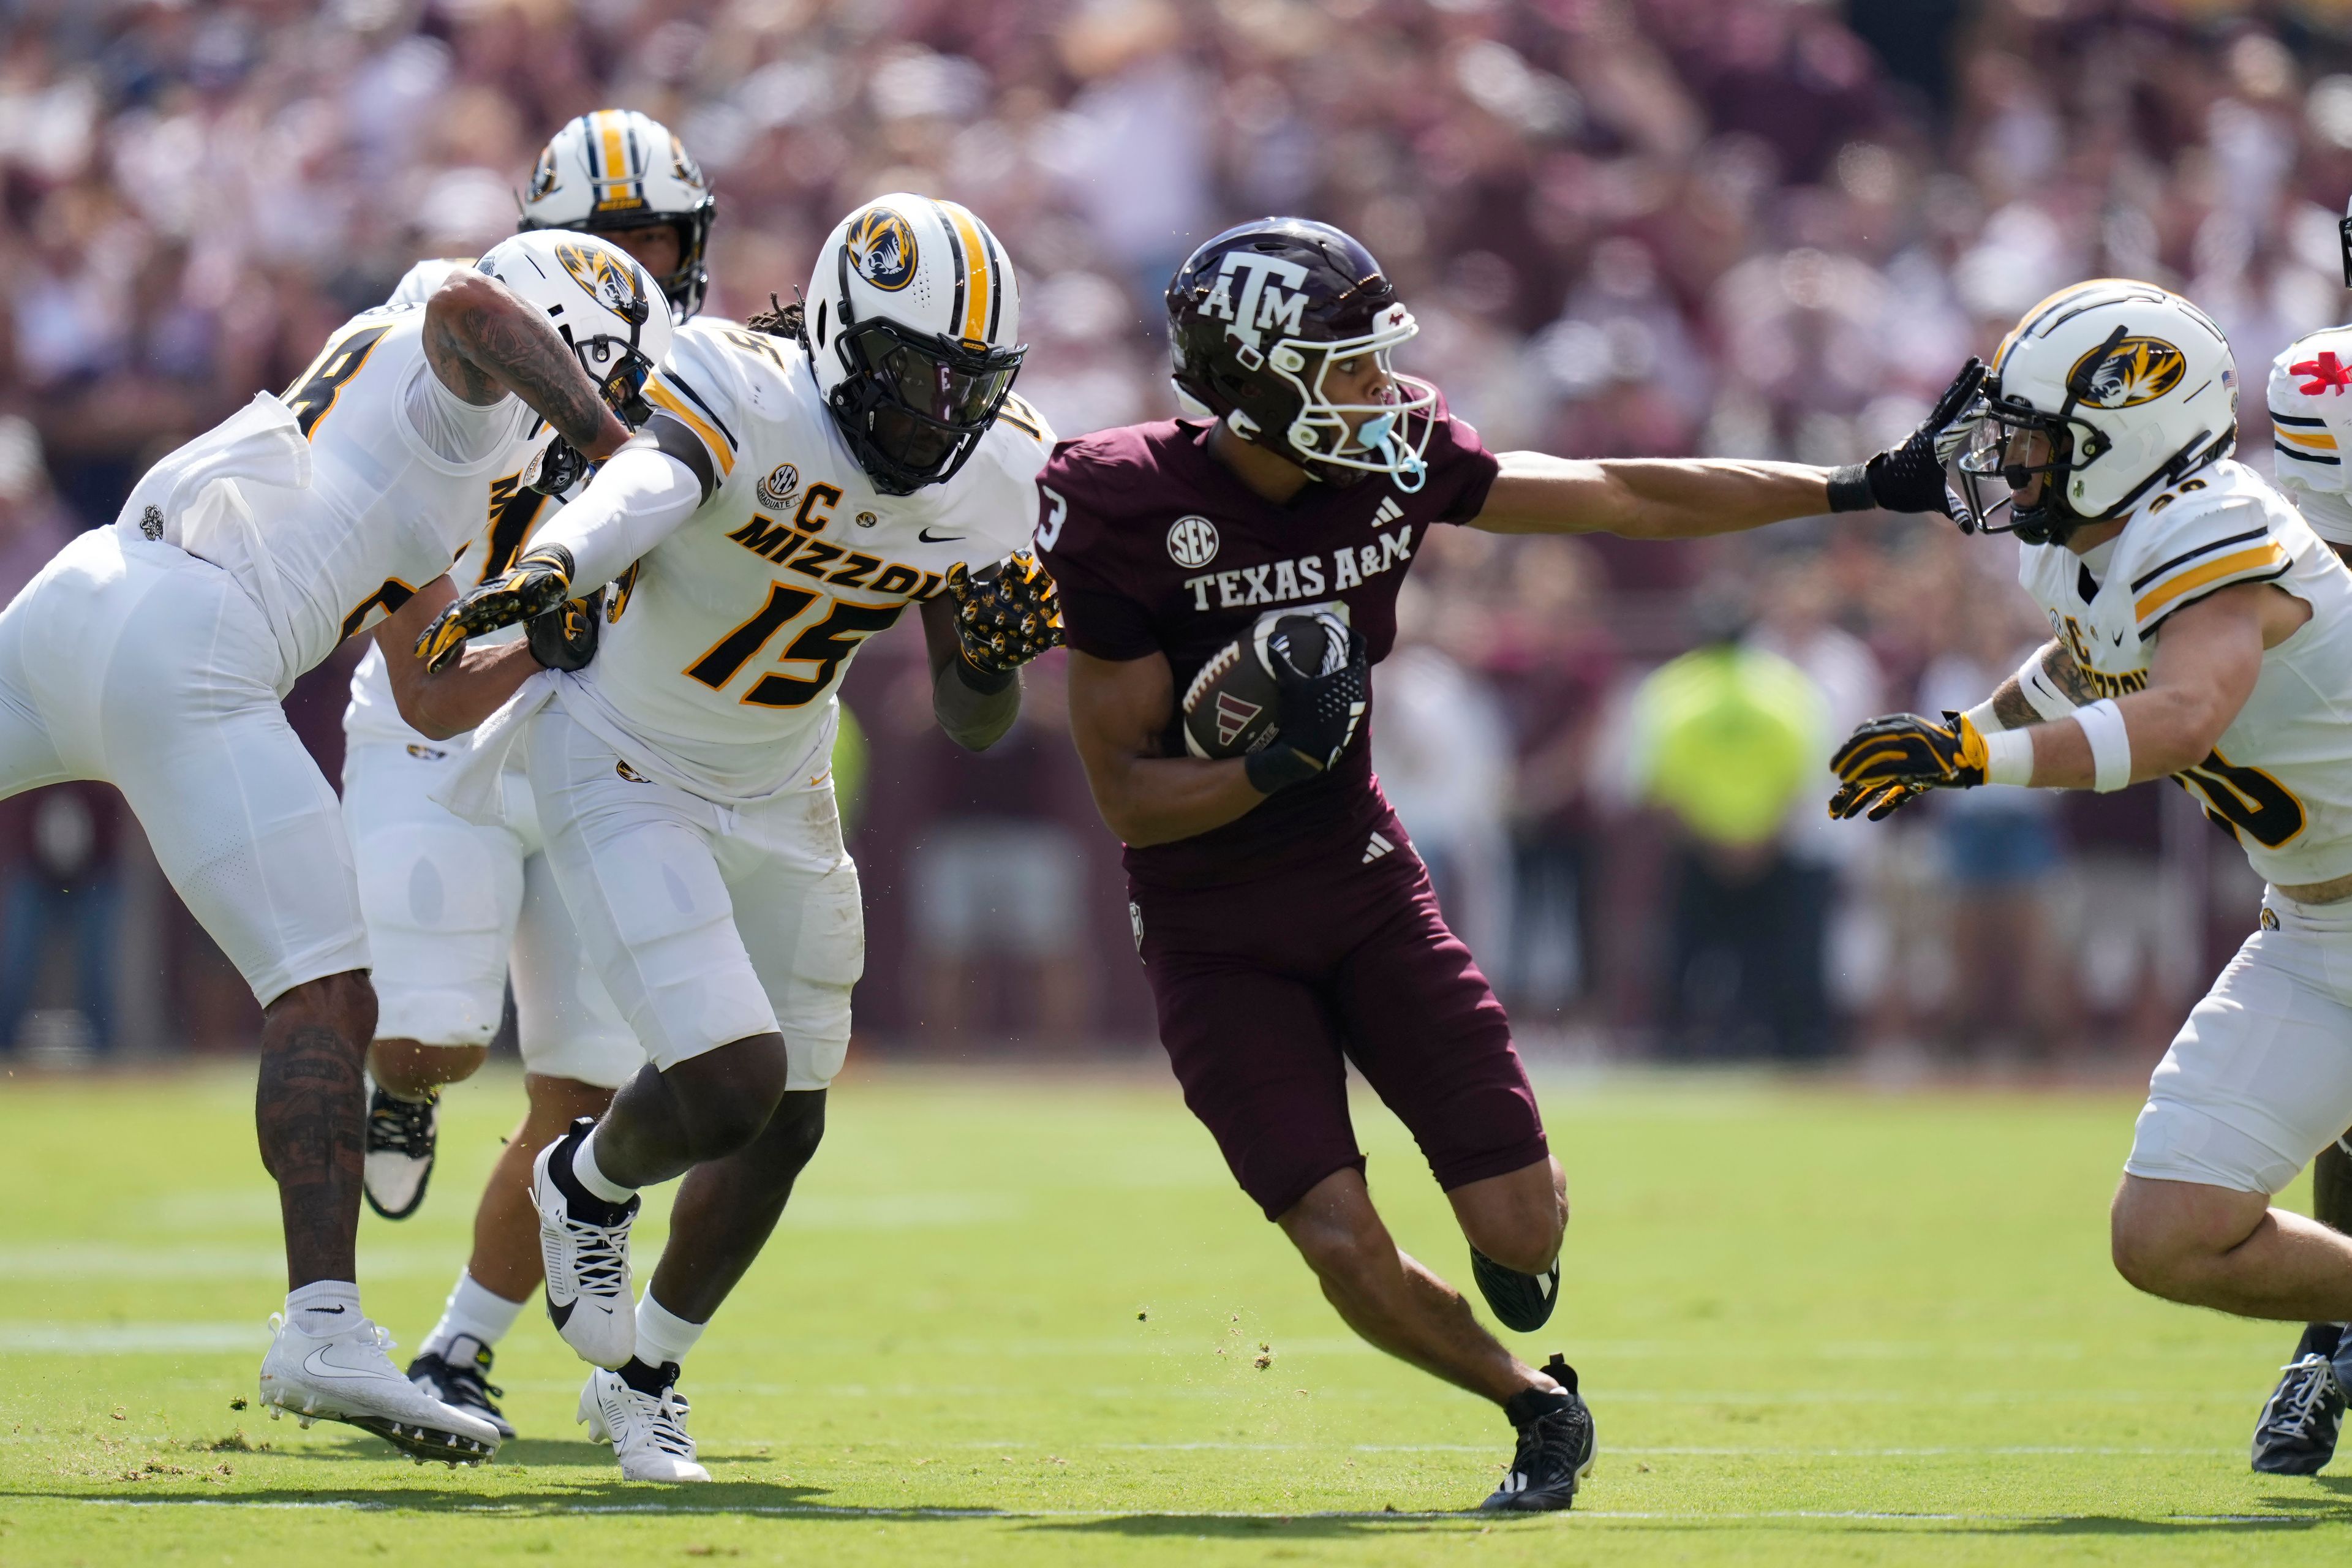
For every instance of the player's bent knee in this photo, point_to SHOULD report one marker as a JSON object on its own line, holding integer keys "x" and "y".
{"x": 1346, "y": 1247}
{"x": 794, "y": 1132}
{"x": 727, "y": 1096}
{"x": 2170, "y": 1238}
{"x": 1518, "y": 1220}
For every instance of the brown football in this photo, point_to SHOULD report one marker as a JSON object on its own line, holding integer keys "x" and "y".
{"x": 1234, "y": 706}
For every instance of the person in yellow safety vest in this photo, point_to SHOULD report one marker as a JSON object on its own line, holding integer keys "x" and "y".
{"x": 1728, "y": 738}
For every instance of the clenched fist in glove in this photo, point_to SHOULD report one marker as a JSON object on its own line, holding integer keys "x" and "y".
{"x": 1910, "y": 478}
{"x": 1321, "y": 709}
{"x": 540, "y": 581}
{"x": 565, "y": 636}
{"x": 1006, "y": 614}
{"x": 1889, "y": 762}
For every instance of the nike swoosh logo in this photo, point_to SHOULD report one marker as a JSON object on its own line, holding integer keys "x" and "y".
{"x": 562, "y": 1314}
{"x": 925, "y": 535}
{"x": 317, "y": 1365}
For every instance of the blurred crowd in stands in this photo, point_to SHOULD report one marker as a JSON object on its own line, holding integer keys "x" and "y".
{"x": 1628, "y": 227}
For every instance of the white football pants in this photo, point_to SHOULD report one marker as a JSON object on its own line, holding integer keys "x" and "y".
{"x": 134, "y": 663}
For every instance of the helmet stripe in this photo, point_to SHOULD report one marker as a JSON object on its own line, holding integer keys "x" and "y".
{"x": 955, "y": 252}
{"x": 996, "y": 305}
{"x": 617, "y": 157}
{"x": 587, "y": 123}
{"x": 979, "y": 298}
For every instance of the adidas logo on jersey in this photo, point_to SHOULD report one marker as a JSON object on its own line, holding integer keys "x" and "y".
{"x": 1376, "y": 848}
{"x": 1388, "y": 513}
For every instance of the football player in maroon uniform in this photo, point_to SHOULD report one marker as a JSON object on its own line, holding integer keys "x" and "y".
{"x": 1283, "y": 922}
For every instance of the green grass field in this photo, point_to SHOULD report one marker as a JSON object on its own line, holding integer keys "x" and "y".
{"x": 1015, "y": 1318}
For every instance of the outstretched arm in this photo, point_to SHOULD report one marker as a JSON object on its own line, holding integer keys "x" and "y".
{"x": 485, "y": 342}
{"x": 1648, "y": 498}
{"x": 1651, "y": 498}
{"x": 637, "y": 500}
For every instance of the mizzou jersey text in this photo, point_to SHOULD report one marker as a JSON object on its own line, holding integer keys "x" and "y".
{"x": 2280, "y": 777}
{"x": 728, "y": 639}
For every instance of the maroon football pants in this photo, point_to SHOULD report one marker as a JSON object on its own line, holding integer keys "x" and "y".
{"x": 1266, "y": 989}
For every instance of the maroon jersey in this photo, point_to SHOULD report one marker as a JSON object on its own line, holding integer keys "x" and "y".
{"x": 1157, "y": 547}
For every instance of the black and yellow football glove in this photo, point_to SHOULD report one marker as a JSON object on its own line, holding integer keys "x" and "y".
{"x": 565, "y": 636}
{"x": 1006, "y": 614}
{"x": 1888, "y": 763}
{"x": 1909, "y": 476}
{"x": 539, "y": 580}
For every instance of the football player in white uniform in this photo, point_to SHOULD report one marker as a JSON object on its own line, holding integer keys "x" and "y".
{"x": 799, "y": 486}
{"x": 154, "y": 654}
{"x": 2311, "y": 431}
{"x": 448, "y": 901}
{"x": 2203, "y": 634}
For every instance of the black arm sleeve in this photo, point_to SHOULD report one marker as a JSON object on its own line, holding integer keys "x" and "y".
{"x": 671, "y": 437}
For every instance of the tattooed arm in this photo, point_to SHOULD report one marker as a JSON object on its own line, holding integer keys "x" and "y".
{"x": 2058, "y": 678}
{"x": 484, "y": 342}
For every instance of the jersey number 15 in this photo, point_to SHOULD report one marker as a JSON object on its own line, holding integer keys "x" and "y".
{"x": 826, "y": 642}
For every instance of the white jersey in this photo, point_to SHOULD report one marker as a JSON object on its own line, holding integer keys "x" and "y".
{"x": 2311, "y": 429}
{"x": 719, "y": 669}
{"x": 515, "y": 513}
{"x": 332, "y": 505}
{"x": 2280, "y": 777}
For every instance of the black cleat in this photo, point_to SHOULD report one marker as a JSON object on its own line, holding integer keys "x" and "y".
{"x": 402, "y": 1137}
{"x": 1520, "y": 1302}
{"x": 2297, "y": 1433}
{"x": 462, "y": 1381}
{"x": 1557, "y": 1445}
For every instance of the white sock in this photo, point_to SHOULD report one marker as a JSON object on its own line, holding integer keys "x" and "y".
{"x": 473, "y": 1312}
{"x": 661, "y": 1335}
{"x": 326, "y": 1307}
{"x": 583, "y": 1165}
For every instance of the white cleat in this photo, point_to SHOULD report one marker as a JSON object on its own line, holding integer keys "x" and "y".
{"x": 347, "y": 1377}
{"x": 648, "y": 1431}
{"x": 590, "y": 1296}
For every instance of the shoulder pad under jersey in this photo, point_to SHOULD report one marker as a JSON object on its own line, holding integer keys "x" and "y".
{"x": 2222, "y": 526}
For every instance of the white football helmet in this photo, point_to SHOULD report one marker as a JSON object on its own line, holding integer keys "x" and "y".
{"x": 617, "y": 169}
{"x": 602, "y": 304}
{"x": 914, "y": 331}
{"x": 2133, "y": 386}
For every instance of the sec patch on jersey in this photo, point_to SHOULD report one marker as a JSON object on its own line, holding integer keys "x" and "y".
{"x": 1233, "y": 707}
